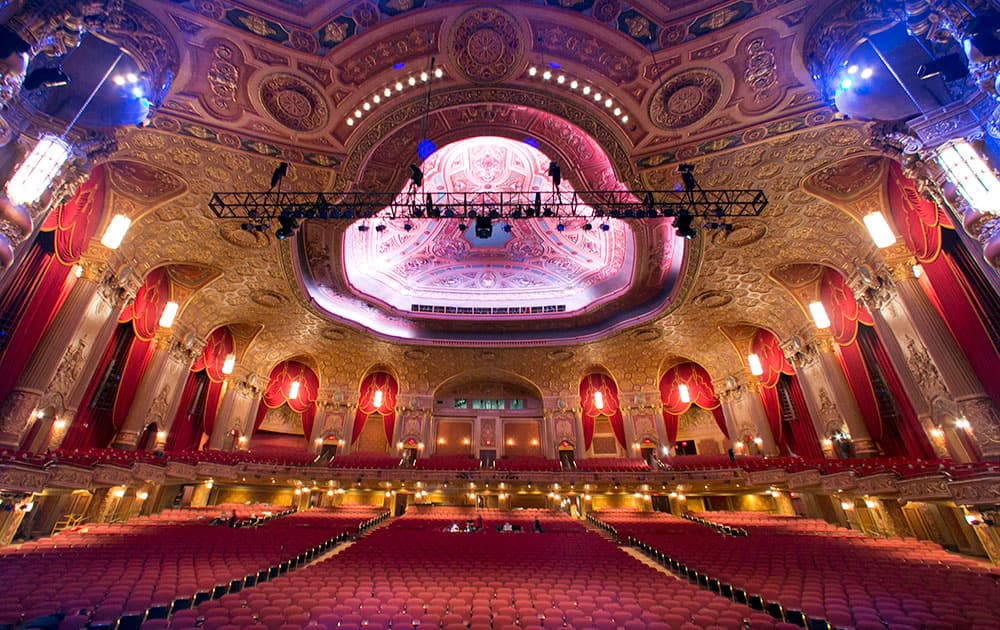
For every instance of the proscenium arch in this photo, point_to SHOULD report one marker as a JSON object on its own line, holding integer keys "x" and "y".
{"x": 468, "y": 112}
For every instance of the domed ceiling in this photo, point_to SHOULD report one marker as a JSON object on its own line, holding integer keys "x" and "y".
{"x": 543, "y": 279}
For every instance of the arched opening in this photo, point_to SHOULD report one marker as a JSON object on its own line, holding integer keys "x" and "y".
{"x": 372, "y": 437}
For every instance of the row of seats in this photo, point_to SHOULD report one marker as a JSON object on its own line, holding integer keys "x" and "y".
{"x": 103, "y": 571}
{"x": 412, "y": 574}
{"x": 812, "y": 569}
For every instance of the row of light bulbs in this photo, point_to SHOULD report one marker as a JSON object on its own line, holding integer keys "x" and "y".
{"x": 576, "y": 85}
{"x": 382, "y": 95}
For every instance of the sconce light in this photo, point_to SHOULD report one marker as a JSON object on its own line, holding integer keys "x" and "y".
{"x": 229, "y": 363}
{"x": 293, "y": 389}
{"x": 818, "y": 312}
{"x": 754, "y": 362}
{"x": 683, "y": 393}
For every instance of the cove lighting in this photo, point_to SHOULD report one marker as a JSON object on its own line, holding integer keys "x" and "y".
{"x": 755, "y": 367}
{"x": 879, "y": 230}
{"x": 169, "y": 314}
{"x": 975, "y": 180}
{"x": 229, "y": 363}
{"x": 376, "y": 97}
{"x": 293, "y": 389}
{"x": 587, "y": 90}
{"x": 820, "y": 318}
{"x": 115, "y": 233}
{"x": 683, "y": 393}
{"x": 38, "y": 170}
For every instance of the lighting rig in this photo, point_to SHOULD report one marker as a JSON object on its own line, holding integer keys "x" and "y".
{"x": 261, "y": 211}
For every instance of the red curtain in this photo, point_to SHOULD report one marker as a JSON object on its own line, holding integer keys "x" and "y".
{"x": 82, "y": 430}
{"x": 852, "y": 363}
{"x": 217, "y": 347}
{"x": 910, "y": 433}
{"x": 144, "y": 312}
{"x": 611, "y": 407}
{"x": 773, "y": 364}
{"x": 804, "y": 440}
{"x": 182, "y": 429}
{"x": 375, "y": 382}
{"x": 279, "y": 387}
{"x": 673, "y": 422}
{"x": 843, "y": 310}
{"x": 30, "y": 302}
{"x": 75, "y": 222}
{"x": 700, "y": 390}
{"x": 918, "y": 220}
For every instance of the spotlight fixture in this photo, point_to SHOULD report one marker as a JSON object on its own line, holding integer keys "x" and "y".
{"x": 587, "y": 227}
{"x": 555, "y": 173}
{"x": 287, "y": 226}
{"x": 279, "y": 173}
{"x": 463, "y": 227}
{"x": 682, "y": 225}
{"x": 416, "y": 176}
{"x": 45, "y": 77}
{"x": 380, "y": 227}
{"x": 484, "y": 227}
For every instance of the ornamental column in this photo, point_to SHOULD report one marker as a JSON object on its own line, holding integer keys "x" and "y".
{"x": 742, "y": 403}
{"x": 236, "y": 411}
{"x": 159, "y": 392}
{"x": 829, "y": 397}
{"x": 941, "y": 369}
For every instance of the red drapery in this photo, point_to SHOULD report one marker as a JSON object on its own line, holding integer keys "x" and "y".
{"x": 182, "y": 429}
{"x": 700, "y": 390}
{"x": 75, "y": 222}
{"x": 804, "y": 440}
{"x": 375, "y": 382}
{"x": 611, "y": 408}
{"x": 279, "y": 387}
{"x": 32, "y": 299}
{"x": 144, "y": 312}
{"x": 773, "y": 363}
{"x": 920, "y": 222}
{"x": 913, "y": 439}
{"x": 843, "y": 310}
{"x": 218, "y": 346}
{"x": 83, "y": 430}
{"x": 852, "y": 363}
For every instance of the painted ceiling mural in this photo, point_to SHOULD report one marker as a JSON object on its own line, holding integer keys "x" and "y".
{"x": 720, "y": 84}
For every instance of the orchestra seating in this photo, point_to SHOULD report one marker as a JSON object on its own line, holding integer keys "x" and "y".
{"x": 815, "y": 570}
{"x": 412, "y": 573}
{"x": 98, "y": 573}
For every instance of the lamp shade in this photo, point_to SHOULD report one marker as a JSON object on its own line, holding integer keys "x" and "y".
{"x": 38, "y": 170}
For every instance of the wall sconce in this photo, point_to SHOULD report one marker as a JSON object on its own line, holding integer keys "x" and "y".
{"x": 879, "y": 230}
{"x": 377, "y": 398}
{"x": 229, "y": 363}
{"x": 59, "y": 424}
{"x": 293, "y": 390}
{"x": 754, "y": 362}
{"x": 142, "y": 495}
{"x": 683, "y": 393}
{"x": 598, "y": 400}
{"x": 114, "y": 234}
{"x": 118, "y": 493}
{"x": 818, "y": 312}
{"x": 169, "y": 314}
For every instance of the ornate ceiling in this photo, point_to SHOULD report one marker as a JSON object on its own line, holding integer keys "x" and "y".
{"x": 718, "y": 84}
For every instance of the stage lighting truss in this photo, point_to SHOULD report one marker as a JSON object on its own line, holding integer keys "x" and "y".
{"x": 267, "y": 210}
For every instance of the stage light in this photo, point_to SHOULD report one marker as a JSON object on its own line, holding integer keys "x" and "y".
{"x": 555, "y": 173}
{"x": 416, "y": 176}
{"x": 484, "y": 227}
{"x": 682, "y": 226}
{"x": 279, "y": 173}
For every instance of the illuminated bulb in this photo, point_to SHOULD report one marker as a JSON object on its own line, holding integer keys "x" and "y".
{"x": 573, "y": 84}
{"x": 318, "y": 441}
{"x": 853, "y": 69}
{"x": 879, "y": 230}
{"x": 937, "y": 432}
{"x": 424, "y": 76}
{"x": 681, "y": 497}
{"x": 387, "y": 92}
{"x": 412, "y": 81}
{"x": 532, "y": 71}
{"x": 116, "y": 230}
{"x": 962, "y": 423}
{"x": 683, "y": 393}
{"x": 132, "y": 77}
{"x": 918, "y": 270}
{"x": 367, "y": 106}
{"x": 560, "y": 79}
{"x": 547, "y": 75}
{"x": 599, "y": 400}
{"x": 119, "y": 80}
{"x": 298, "y": 492}
{"x": 510, "y": 441}
{"x": 242, "y": 439}
{"x": 586, "y": 89}
{"x": 755, "y": 367}
{"x": 293, "y": 389}
{"x": 358, "y": 113}
{"x": 329, "y": 493}
{"x": 758, "y": 441}
{"x": 118, "y": 493}
{"x": 608, "y": 103}
{"x": 209, "y": 484}
{"x": 819, "y": 315}
{"x": 534, "y": 442}
{"x": 142, "y": 496}
{"x": 399, "y": 86}
{"x": 229, "y": 363}
{"x": 78, "y": 270}
{"x": 399, "y": 445}
{"x": 617, "y": 111}
{"x": 625, "y": 118}
{"x": 377, "y": 398}
{"x": 439, "y": 73}
{"x": 871, "y": 503}
{"x": 350, "y": 122}
{"x": 169, "y": 314}
{"x": 847, "y": 505}
{"x": 59, "y": 424}
{"x": 161, "y": 436}
{"x": 867, "y": 73}
{"x": 376, "y": 99}
{"x": 597, "y": 96}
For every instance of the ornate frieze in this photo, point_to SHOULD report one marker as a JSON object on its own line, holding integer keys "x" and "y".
{"x": 177, "y": 470}
{"x": 984, "y": 491}
{"x": 877, "y": 485}
{"x": 805, "y": 479}
{"x": 14, "y": 478}
{"x": 924, "y": 488}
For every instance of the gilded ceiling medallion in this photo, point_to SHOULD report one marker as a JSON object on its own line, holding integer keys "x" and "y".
{"x": 685, "y": 98}
{"x": 712, "y": 299}
{"x": 293, "y": 102}
{"x": 232, "y": 234}
{"x": 269, "y": 299}
{"x": 743, "y": 233}
{"x": 486, "y": 45}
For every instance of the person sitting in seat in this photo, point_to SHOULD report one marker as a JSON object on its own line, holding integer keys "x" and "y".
{"x": 538, "y": 526}
{"x": 507, "y": 527}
